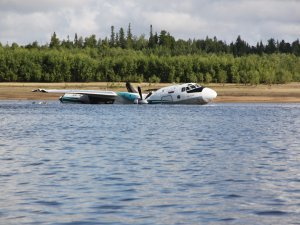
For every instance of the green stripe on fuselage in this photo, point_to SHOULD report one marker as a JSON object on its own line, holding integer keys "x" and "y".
{"x": 128, "y": 96}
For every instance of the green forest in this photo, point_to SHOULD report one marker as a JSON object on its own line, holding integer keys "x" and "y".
{"x": 159, "y": 58}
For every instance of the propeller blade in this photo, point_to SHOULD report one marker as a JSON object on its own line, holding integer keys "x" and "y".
{"x": 140, "y": 92}
{"x": 148, "y": 95}
{"x": 130, "y": 88}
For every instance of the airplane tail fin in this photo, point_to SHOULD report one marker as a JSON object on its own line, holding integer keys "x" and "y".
{"x": 130, "y": 88}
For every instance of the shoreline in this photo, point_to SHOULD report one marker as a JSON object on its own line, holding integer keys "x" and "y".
{"x": 277, "y": 93}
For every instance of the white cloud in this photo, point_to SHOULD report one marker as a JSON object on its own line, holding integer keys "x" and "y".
{"x": 31, "y": 6}
{"x": 178, "y": 24}
{"x": 255, "y": 20}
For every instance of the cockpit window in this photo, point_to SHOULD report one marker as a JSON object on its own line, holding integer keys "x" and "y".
{"x": 196, "y": 89}
{"x": 187, "y": 88}
{"x": 193, "y": 87}
{"x": 183, "y": 89}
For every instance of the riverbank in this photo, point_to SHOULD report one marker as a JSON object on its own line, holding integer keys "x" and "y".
{"x": 226, "y": 93}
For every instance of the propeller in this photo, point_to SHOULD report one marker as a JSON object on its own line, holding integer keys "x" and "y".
{"x": 141, "y": 100}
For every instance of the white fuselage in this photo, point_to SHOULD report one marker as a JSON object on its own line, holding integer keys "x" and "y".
{"x": 189, "y": 93}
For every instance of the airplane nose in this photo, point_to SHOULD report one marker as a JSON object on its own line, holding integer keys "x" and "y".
{"x": 208, "y": 94}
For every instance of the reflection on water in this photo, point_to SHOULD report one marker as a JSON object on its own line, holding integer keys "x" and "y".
{"x": 145, "y": 164}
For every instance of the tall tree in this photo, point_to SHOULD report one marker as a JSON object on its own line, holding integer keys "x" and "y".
{"x": 112, "y": 37}
{"x": 241, "y": 47}
{"x": 122, "y": 39}
{"x": 76, "y": 41}
{"x": 129, "y": 37}
{"x": 284, "y": 47}
{"x": 260, "y": 48}
{"x": 54, "y": 42}
{"x": 271, "y": 46}
{"x": 151, "y": 42}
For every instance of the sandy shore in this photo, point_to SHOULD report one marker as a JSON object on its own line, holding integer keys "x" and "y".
{"x": 226, "y": 93}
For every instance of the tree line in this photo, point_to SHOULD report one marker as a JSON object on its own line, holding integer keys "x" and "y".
{"x": 160, "y": 58}
{"x": 165, "y": 43}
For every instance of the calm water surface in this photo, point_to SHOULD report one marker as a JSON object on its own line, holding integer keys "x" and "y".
{"x": 129, "y": 164}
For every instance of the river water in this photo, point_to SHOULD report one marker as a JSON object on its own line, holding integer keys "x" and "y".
{"x": 149, "y": 164}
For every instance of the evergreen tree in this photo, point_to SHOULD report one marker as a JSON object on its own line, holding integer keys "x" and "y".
{"x": 129, "y": 37}
{"x": 112, "y": 37}
{"x": 271, "y": 46}
{"x": 122, "y": 39}
{"x": 241, "y": 47}
{"x": 54, "y": 42}
{"x": 284, "y": 47}
{"x": 76, "y": 41}
{"x": 260, "y": 48}
{"x": 151, "y": 42}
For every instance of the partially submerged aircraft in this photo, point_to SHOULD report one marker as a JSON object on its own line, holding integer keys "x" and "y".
{"x": 189, "y": 93}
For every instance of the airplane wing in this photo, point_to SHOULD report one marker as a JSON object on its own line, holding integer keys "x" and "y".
{"x": 83, "y": 96}
{"x": 83, "y": 92}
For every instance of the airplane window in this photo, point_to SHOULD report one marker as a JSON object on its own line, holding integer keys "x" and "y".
{"x": 187, "y": 88}
{"x": 183, "y": 89}
{"x": 193, "y": 87}
{"x": 178, "y": 96}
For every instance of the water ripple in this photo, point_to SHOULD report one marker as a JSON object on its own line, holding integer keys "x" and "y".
{"x": 124, "y": 164}
{"x": 48, "y": 203}
{"x": 271, "y": 213}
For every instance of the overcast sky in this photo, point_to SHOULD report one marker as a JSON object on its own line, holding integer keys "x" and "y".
{"x": 25, "y": 21}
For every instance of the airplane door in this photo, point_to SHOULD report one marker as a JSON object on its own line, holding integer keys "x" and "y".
{"x": 166, "y": 99}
